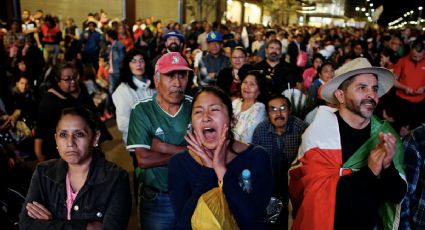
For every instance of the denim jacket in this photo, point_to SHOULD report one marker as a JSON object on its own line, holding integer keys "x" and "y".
{"x": 104, "y": 197}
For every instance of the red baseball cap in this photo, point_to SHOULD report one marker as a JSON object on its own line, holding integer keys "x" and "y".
{"x": 170, "y": 62}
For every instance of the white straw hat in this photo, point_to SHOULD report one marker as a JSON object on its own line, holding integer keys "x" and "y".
{"x": 353, "y": 68}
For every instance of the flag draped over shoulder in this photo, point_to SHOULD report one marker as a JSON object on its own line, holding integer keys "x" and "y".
{"x": 314, "y": 177}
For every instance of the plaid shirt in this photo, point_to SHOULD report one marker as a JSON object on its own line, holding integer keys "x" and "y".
{"x": 275, "y": 144}
{"x": 413, "y": 206}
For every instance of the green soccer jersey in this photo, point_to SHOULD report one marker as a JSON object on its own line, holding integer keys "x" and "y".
{"x": 148, "y": 120}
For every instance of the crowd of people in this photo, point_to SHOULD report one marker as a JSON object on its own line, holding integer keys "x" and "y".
{"x": 325, "y": 123}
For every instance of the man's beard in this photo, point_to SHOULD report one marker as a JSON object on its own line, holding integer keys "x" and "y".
{"x": 273, "y": 57}
{"x": 356, "y": 109}
{"x": 173, "y": 47}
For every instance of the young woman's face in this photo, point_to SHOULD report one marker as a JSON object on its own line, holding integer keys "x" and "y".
{"x": 317, "y": 63}
{"x": 238, "y": 58}
{"x": 75, "y": 140}
{"x": 209, "y": 116}
{"x": 249, "y": 88}
{"x": 137, "y": 65}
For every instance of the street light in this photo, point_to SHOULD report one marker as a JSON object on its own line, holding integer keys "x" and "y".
{"x": 371, "y": 4}
{"x": 357, "y": 8}
{"x": 363, "y": 9}
{"x": 420, "y": 8}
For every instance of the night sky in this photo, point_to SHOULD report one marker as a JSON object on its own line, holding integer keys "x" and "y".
{"x": 394, "y": 9}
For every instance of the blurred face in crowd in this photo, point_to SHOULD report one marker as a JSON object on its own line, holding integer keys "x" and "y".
{"x": 25, "y": 15}
{"x": 68, "y": 81}
{"x": 385, "y": 60}
{"x": 417, "y": 56}
{"x": 358, "y": 50}
{"x": 317, "y": 62}
{"x": 249, "y": 88}
{"x": 22, "y": 67}
{"x": 214, "y": 48}
{"x": 278, "y": 111}
{"x": 238, "y": 59}
{"x": 75, "y": 140}
{"x": 258, "y": 36}
{"x": 173, "y": 44}
{"x": 327, "y": 73}
{"x": 395, "y": 44}
{"x": 92, "y": 26}
{"x": 121, "y": 29}
{"x": 22, "y": 85}
{"x": 209, "y": 116}
{"x": 137, "y": 65}
{"x": 273, "y": 52}
{"x": 171, "y": 86}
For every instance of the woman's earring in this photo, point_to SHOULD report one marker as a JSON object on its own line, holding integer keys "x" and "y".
{"x": 96, "y": 145}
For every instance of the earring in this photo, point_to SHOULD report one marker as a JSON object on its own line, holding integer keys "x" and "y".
{"x": 96, "y": 145}
{"x": 57, "y": 147}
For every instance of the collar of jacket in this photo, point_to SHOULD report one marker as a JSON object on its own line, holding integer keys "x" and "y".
{"x": 97, "y": 171}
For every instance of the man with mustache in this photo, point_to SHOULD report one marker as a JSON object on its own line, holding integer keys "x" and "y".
{"x": 349, "y": 169}
{"x": 280, "y": 135}
{"x": 156, "y": 132}
{"x": 173, "y": 42}
{"x": 279, "y": 74}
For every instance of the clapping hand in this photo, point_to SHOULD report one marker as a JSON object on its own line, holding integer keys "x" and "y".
{"x": 381, "y": 157}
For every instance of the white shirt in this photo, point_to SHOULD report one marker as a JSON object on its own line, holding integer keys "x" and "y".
{"x": 256, "y": 45}
{"x": 247, "y": 120}
{"x": 124, "y": 98}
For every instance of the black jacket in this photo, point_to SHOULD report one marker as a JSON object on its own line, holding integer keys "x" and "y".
{"x": 104, "y": 197}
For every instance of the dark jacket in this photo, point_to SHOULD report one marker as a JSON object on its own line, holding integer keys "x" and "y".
{"x": 104, "y": 197}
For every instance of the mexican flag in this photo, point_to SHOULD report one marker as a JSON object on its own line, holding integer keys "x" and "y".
{"x": 315, "y": 174}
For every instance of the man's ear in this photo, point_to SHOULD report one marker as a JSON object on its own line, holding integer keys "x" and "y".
{"x": 339, "y": 95}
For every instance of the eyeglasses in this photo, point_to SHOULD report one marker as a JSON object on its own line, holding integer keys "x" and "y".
{"x": 69, "y": 79}
{"x": 275, "y": 109}
{"x": 134, "y": 61}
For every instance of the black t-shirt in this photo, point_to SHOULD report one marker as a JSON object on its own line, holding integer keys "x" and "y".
{"x": 351, "y": 138}
{"x": 359, "y": 195}
{"x": 356, "y": 195}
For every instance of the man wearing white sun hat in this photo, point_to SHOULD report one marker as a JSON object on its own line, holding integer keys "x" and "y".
{"x": 349, "y": 172}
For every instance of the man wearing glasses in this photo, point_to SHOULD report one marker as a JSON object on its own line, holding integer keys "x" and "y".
{"x": 280, "y": 135}
{"x": 67, "y": 92}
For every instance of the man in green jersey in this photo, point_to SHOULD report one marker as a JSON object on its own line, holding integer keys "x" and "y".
{"x": 156, "y": 132}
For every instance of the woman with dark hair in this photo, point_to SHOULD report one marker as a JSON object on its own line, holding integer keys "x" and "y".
{"x": 135, "y": 84}
{"x": 67, "y": 91}
{"x": 311, "y": 72}
{"x": 228, "y": 79}
{"x": 249, "y": 109}
{"x": 81, "y": 189}
{"x": 215, "y": 158}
